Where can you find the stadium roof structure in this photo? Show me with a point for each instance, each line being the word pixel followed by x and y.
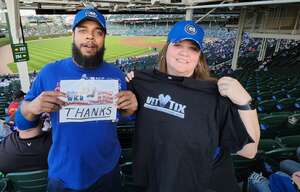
pixel 142 6
pixel 277 19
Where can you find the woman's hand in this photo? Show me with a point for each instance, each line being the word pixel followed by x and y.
pixel 231 88
pixel 129 76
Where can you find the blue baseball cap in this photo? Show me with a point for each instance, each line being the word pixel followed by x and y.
pixel 89 14
pixel 186 30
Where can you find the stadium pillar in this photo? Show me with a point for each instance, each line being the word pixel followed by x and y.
pixel 15 32
pixel 277 46
pixel 262 51
pixel 189 14
pixel 238 39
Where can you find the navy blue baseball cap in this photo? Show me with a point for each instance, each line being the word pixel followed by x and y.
pixel 89 14
pixel 186 30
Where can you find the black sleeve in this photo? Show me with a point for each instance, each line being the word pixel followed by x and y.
pixel 130 86
pixel 233 133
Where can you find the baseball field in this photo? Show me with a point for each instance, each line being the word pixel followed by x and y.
pixel 44 51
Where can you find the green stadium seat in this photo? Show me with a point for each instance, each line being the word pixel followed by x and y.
pixel 294 93
pixel 267 106
pixel 292 141
pixel 264 90
pixel 279 94
pixel 273 124
pixel 282 154
pixel 126 170
pixel 125 133
pixel 3 185
pixel 268 145
pixel 31 181
pixel 288 113
pixel 297 104
pixel 126 155
pixel 266 95
pixel 286 104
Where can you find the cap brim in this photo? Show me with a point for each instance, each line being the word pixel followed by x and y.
pixel 92 19
pixel 199 45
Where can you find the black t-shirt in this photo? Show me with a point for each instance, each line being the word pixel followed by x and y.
pixel 18 154
pixel 223 177
pixel 180 123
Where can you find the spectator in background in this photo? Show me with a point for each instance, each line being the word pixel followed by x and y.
pixel 285 180
pixel 4 129
pixel 25 150
pixel 18 96
pixel 277 182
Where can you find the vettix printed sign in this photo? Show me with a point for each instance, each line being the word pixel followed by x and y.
pixel 88 100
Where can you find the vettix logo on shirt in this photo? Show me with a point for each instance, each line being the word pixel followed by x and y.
pixel 165 104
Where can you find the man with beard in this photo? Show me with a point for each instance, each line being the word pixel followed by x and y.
pixel 84 155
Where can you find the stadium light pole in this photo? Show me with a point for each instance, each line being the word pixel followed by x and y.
pixel 15 32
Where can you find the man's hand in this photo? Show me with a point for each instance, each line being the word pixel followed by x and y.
pixel 127 102
pixel 47 101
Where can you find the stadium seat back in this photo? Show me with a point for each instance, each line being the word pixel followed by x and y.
pixel 31 181
pixel 267 106
pixel 126 155
pixel 287 104
pixel 294 93
pixel 290 141
pixel 3 185
pixel 268 145
pixel 282 154
pixel 273 124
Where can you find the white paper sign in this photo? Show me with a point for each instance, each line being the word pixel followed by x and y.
pixel 88 100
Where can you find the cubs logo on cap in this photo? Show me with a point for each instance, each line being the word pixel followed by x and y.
pixel 186 30
pixel 190 29
pixel 89 14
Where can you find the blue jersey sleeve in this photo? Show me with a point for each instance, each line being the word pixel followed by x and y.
pixel 123 83
pixel 36 89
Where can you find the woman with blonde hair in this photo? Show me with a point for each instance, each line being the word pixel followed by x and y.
pixel 188 123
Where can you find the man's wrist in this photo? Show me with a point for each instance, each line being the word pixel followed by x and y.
pixel 23 123
pixel 27 112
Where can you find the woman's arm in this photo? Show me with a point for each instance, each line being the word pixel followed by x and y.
pixel 231 88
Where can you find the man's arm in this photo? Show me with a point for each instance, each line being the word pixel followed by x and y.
pixel 47 101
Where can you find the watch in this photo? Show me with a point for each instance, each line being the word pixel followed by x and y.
pixel 249 106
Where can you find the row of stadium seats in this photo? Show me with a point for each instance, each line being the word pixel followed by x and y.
pixel 279 124
pixel 31 181
pixel 271 153
pixel 285 104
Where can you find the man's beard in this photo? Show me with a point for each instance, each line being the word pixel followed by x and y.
pixel 92 61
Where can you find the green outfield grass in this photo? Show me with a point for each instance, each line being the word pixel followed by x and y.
pixel 44 51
